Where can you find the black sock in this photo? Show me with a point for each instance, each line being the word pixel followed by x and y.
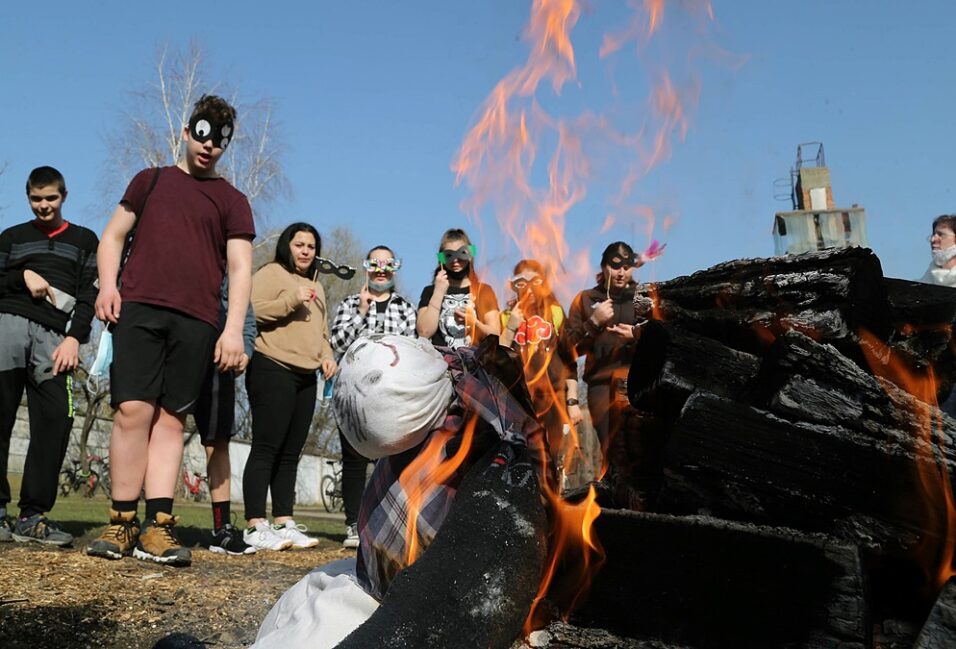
pixel 156 505
pixel 125 505
pixel 220 515
pixel 28 512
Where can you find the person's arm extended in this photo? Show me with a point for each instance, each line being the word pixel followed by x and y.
pixel 229 347
pixel 428 315
pixel 108 258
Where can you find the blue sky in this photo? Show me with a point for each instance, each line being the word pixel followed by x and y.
pixel 374 99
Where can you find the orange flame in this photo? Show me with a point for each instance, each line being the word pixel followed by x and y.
pixel 513 134
pixel 940 515
pixel 426 473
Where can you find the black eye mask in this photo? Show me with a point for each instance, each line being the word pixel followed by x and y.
pixel 328 267
pixel 203 128
pixel 463 254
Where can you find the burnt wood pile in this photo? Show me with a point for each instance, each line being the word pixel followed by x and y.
pixel 782 473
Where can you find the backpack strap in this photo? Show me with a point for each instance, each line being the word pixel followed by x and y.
pixel 128 244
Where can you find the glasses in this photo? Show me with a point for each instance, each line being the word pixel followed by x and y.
pixel 940 234
pixel 521 283
pixel 385 265
pixel 328 267
pixel 463 254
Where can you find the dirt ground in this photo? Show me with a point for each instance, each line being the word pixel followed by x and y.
pixel 53 597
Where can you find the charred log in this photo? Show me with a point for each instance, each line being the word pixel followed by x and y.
pixel 701 582
pixel 746 303
pixel 939 631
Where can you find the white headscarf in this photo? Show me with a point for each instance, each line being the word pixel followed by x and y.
pixel 390 391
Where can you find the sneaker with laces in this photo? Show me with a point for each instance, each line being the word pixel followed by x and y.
pixel 6 529
pixel 42 530
pixel 264 537
pixel 228 540
pixel 294 533
pixel 158 542
pixel 118 539
pixel 351 537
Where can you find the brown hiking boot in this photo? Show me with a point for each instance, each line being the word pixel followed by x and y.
pixel 119 537
pixel 158 543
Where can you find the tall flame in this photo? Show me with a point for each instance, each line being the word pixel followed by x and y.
pixel 940 514
pixel 531 167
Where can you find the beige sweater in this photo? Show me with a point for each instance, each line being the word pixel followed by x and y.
pixel 290 332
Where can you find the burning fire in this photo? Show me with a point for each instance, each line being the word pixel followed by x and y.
pixel 515 142
pixel 940 515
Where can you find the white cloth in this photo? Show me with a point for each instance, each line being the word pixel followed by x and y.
pixel 390 391
pixel 317 612
pixel 941 276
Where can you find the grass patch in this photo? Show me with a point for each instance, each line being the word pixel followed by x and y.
pixel 86 517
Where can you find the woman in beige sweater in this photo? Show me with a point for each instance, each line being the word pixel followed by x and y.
pixel 291 346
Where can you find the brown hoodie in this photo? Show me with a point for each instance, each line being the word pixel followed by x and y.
pixel 291 333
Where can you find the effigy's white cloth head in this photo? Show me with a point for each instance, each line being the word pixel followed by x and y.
pixel 390 391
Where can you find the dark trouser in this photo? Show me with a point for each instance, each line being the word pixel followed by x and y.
pixel 50 408
pixel 599 406
pixel 282 404
pixel 354 468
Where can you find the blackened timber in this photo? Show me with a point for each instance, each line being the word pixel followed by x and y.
pixel 939 630
pixel 474 585
pixel 670 362
pixel 701 582
pixel 746 303
pixel 862 484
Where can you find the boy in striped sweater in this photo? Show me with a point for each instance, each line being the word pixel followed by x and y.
pixel 47 291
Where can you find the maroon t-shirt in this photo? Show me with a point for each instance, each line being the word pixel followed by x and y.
pixel 178 255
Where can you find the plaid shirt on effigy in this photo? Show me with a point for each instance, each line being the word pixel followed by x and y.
pixel 348 324
pixel 384 516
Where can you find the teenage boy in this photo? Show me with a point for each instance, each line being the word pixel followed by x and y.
pixel 215 417
pixel 47 274
pixel 190 225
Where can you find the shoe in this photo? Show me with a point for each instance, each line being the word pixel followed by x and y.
pixel 294 533
pixel 264 537
pixel 351 537
pixel 6 529
pixel 118 539
pixel 158 543
pixel 228 540
pixel 42 530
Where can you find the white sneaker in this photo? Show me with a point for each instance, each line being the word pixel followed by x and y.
pixel 351 537
pixel 294 535
pixel 264 537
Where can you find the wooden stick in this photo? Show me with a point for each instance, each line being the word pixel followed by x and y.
pixel 609 286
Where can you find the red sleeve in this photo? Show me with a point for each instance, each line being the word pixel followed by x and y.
pixel 239 221
pixel 136 191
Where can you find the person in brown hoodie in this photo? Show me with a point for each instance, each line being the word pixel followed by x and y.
pixel 291 346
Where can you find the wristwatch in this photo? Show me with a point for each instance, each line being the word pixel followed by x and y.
pixel 572 402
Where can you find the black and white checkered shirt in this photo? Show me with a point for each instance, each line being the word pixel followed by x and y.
pixel 400 318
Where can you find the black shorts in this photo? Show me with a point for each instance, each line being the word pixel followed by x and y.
pixel 215 412
pixel 159 355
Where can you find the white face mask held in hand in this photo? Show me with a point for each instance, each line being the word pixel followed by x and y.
pixel 101 364
pixel 390 391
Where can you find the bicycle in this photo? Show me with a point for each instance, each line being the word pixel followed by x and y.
pixel 331 488
pixel 195 485
pixel 75 478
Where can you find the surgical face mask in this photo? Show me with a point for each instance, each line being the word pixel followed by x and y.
pixel 940 257
pixel 382 285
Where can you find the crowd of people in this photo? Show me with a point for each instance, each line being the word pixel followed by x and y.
pixel 186 317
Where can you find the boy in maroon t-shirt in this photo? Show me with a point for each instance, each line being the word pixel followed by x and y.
pixel 190 224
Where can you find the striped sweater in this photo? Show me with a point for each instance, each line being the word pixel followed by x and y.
pixel 67 261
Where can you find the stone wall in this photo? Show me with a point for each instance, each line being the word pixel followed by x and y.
pixel 311 467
